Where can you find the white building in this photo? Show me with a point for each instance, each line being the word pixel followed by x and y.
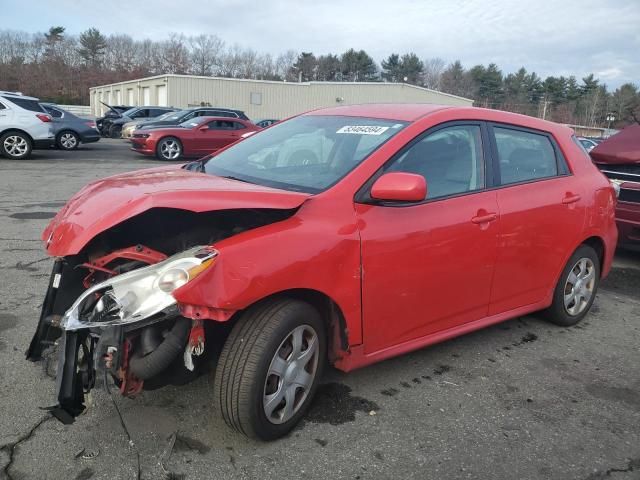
pixel 259 99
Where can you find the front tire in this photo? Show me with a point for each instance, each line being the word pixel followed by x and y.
pixel 169 148
pixel 115 131
pixel 68 140
pixel 576 288
pixel 15 145
pixel 269 368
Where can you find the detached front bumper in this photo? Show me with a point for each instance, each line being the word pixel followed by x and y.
pixel 113 324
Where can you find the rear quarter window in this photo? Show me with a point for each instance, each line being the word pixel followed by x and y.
pixel 27 104
pixel 525 156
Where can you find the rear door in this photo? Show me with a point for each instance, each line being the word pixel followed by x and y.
pixel 542 213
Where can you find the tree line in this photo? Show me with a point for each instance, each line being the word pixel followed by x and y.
pixel 60 67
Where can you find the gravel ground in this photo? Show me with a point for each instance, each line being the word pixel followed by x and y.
pixel 520 400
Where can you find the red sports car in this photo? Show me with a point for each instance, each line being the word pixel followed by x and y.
pixel 346 235
pixel 194 138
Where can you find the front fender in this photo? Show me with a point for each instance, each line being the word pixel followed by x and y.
pixel 311 250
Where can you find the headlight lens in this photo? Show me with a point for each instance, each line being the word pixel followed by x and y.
pixel 138 294
pixel 173 279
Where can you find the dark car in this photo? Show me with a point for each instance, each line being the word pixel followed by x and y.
pixel 69 129
pixel 114 111
pixel 267 122
pixel 182 116
pixel 113 127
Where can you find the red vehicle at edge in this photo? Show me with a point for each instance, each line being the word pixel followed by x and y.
pixel 197 137
pixel 346 235
pixel 619 159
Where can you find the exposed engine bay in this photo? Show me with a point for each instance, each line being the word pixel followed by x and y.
pixel 110 309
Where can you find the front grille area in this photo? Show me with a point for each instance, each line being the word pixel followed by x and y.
pixel 628 195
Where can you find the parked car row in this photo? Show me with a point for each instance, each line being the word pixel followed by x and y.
pixel 177 134
pixel 27 124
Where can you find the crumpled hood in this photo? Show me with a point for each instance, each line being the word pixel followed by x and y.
pixel 108 202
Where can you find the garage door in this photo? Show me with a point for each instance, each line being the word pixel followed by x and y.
pixel 146 96
pixel 130 97
pixel 162 95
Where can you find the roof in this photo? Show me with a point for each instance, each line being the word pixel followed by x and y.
pixel 299 84
pixel 406 112
pixel 623 147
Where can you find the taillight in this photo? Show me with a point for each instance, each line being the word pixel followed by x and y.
pixel 91 124
pixel 43 117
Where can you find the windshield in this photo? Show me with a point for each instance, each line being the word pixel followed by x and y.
pixel 165 116
pixel 131 111
pixel 175 115
pixel 194 122
pixel 308 153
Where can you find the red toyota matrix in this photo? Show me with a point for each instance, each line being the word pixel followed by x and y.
pixel 345 236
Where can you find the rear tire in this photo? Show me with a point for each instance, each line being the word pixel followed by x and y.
pixel 68 140
pixel 16 145
pixel 576 289
pixel 269 368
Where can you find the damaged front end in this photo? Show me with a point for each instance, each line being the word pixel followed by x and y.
pixel 116 315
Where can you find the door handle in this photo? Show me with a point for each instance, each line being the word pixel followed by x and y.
pixel 486 218
pixel 571 199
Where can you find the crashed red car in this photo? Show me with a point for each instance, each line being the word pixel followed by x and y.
pixel 345 236
pixel 196 137
pixel 619 159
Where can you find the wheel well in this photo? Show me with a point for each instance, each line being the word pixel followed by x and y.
pixel 331 313
pixel 9 130
pixel 67 130
pixel 598 245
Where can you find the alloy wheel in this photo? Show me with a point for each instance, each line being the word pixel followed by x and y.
pixel 15 145
pixel 68 141
pixel 291 374
pixel 579 286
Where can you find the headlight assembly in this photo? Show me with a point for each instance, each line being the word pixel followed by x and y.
pixel 138 294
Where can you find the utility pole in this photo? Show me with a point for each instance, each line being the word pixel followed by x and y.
pixel 544 107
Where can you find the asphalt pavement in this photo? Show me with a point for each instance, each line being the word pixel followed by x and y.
pixel 520 400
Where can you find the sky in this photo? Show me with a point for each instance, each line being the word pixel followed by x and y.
pixel 550 37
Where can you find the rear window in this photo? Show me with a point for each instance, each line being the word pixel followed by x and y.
pixel 25 103
pixel 524 156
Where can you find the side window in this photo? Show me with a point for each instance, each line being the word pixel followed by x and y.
pixel 238 126
pixel 2 107
pixel 220 125
pixel 450 160
pixel 53 112
pixel 524 156
pixel 27 104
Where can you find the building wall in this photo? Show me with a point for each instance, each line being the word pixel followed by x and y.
pixel 263 99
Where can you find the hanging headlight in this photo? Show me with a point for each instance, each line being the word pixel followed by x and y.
pixel 138 294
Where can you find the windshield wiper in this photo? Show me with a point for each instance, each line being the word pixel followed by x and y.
pixel 230 177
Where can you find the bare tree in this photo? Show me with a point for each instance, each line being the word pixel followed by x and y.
pixel 205 53
pixel 175 54
pixel 283 65
pixel 432 73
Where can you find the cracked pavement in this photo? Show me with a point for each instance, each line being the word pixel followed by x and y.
pixel 523 399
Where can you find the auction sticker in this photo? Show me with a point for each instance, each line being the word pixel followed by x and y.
pixel 363 129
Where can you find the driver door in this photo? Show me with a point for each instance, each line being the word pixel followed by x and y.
pixel 428 267
pixel 219 133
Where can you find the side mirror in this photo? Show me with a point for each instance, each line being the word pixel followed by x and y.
pixel 400 187
pixel 204 128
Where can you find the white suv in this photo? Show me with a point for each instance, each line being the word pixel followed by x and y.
pixel 24 125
